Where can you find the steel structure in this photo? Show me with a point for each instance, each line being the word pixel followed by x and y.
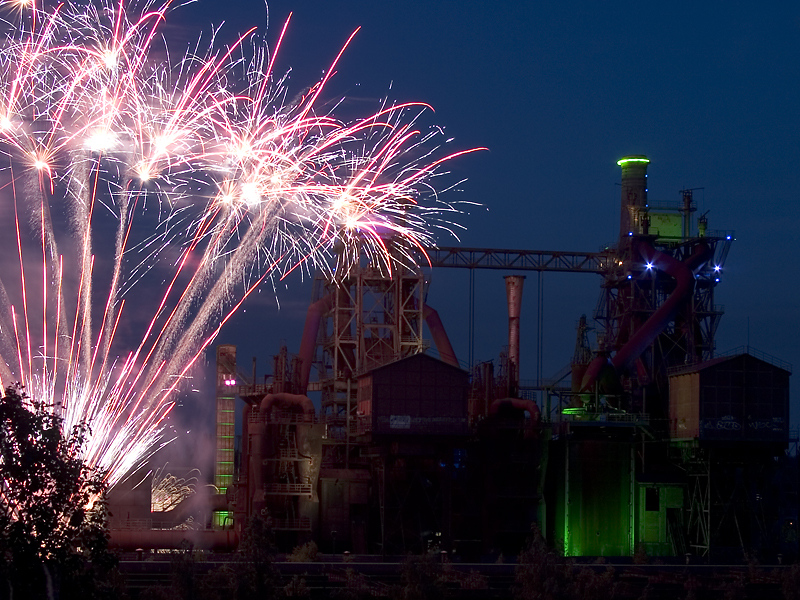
pixel 369 319
pixel 520 260
pixel 603 475
pixel 634 286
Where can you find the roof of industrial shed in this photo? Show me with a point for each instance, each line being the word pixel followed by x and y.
pixel 421 356
pixel 765 359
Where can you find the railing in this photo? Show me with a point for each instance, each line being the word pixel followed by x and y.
pixel 768 358
pixel 607 417
pixel 299 524
pixel 258 389
pixel 285 416
pixel 133 524
pixel 285 454
pixel 288 489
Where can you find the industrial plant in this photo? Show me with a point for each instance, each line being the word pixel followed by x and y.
pixel 650 442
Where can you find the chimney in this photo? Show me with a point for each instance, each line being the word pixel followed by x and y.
pixel 514 295
pixel 634 194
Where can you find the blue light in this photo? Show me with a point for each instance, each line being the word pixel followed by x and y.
pixel 649 266
pixel 717 280
pixel 717 268
pixel 727 238
pixel 630 233
pixel 629 276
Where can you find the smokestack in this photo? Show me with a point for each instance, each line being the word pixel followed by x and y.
pixel 634 194
pixel 514 295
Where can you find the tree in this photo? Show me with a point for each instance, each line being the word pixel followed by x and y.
pixel 257 575
pixel 541 573
pixel 52 509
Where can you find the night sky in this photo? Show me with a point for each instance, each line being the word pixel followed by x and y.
pixel 558 92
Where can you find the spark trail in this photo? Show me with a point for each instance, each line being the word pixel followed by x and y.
pixel 150 197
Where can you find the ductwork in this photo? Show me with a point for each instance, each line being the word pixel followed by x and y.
pixel 309 340
pixel 439 335
pixel 514 297
pixel 684 275
pixel 174 539
pixel 284 399
pixel 519 404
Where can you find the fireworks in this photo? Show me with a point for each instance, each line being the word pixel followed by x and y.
pixel 167 491
pixel 149 198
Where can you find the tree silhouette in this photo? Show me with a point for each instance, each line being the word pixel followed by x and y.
pixel 52 509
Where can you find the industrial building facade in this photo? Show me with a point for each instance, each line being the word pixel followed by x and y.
pixel 654 444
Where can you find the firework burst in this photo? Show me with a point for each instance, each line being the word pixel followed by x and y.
pixel 151 197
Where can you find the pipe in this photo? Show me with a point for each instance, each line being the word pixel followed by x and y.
pixel 309 340
pixel 683 273
pixel 255 465
pixel 519 404
pixel 514 297
pixel 149 539
pixel 243 491
pixel 304 402
pixel 439 335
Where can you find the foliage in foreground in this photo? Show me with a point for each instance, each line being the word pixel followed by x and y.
pixel 252 575
pixel 53 538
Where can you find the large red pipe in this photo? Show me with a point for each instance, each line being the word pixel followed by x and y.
pixel 304 402
pixel 439 335
pixel 309 340
pixel 519 404
pixel 149 539
pixel 684 274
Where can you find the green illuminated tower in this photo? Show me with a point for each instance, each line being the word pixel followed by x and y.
pixel 226 396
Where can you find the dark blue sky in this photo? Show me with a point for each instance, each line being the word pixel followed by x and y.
pixel 558 92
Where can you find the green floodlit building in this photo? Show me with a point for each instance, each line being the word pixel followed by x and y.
pixel 660 445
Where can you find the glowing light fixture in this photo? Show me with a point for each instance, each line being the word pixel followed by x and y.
pixel 632 159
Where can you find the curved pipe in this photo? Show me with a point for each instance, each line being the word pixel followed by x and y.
pixel 593 371
pixel 519 404
pixel 683 273
pixel 439 335
pixel 270 400
pixel 309 340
